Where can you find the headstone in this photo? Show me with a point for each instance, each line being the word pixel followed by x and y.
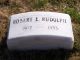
pixel 40 30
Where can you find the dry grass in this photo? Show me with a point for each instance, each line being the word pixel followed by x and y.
pixel 3 21
pixel 9 7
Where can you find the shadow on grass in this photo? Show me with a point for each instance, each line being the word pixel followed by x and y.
pixel 4 3
pixel 58 54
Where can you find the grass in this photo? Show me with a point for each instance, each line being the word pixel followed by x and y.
pixel 39 3
pixel 73 13
pixel 9 7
